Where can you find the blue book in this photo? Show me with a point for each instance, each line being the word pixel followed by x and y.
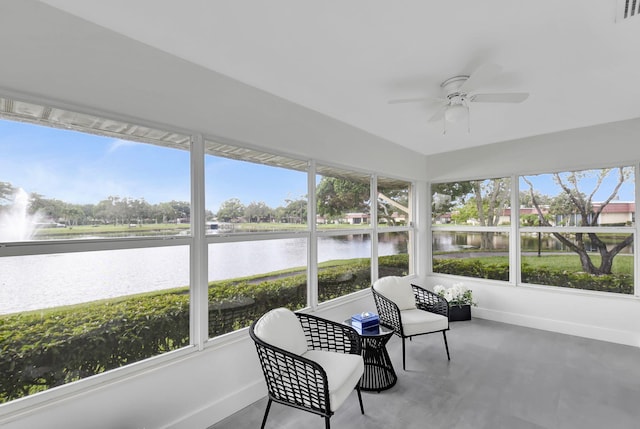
pixel 372 330
pixel 364 320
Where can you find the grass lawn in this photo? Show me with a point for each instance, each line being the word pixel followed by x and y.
pixel 622 264
pixel 80 231
pixel 106 230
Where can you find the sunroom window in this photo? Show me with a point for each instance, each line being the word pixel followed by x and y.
pixel 119 243
pixel 395 222
pixel 257 234
pixel 574 229
pixel 343 219
pixel 94 245
pixel 577 229
pixel 471 228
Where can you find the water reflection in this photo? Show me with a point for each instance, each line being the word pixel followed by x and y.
pixel 451 241
pixel 50 280
pixel 448 241
pixel 546 242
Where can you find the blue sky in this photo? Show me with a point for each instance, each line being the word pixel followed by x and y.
pixel 82 169
pixel 85 169
pixel 545 185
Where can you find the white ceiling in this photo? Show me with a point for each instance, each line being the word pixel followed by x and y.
pixel 347 58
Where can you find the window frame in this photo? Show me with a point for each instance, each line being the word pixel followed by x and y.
pixel 515 231
pixel 475 229
pixel 197 241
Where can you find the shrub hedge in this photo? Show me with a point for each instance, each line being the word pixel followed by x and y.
pixel 616 283
pixel 48 348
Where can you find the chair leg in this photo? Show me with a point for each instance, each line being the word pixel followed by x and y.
pixel 403 358
pixel 360 398
pixel 446 345
pixel 266 413
pixel 327 424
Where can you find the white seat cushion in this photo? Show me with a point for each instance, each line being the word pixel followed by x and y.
pixel 280 327
pixel 398 290
pixel 343 373
pixel 417 321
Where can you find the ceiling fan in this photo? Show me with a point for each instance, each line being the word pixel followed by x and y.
pixel 460 91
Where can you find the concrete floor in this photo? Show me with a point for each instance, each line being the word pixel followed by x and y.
pixel 500 377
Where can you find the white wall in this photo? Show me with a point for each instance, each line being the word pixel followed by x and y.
pixel 49 56
pixel 597 146
pixel 58 57
pixel 606 317
pixel 192 391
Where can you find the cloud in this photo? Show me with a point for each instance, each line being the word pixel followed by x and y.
pixel 118 143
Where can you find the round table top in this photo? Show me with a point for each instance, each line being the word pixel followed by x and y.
pixel 373 332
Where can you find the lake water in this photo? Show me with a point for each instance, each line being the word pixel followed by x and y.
pixel 44 281
pixel 448 241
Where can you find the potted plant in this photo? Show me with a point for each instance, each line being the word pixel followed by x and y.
pixel 460 300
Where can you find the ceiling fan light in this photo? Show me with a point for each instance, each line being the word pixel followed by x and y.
pixel 455 113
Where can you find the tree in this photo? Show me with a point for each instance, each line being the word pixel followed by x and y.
pixel 140 210
pixel 445 196
pixel 87 210
pixel 480 200
pixel 182 209
pixel 563 208
pixel 258 212
pixel 589 215
pixel 6 191
pixel 73 214
pixel 47 207
pixel 532 219
pixel 490 197
pixel 338 196
pixel 164 213
pixel 467 212
pixel 526 200
pixel 231 210
pixel 390 201
pixel 111 210
pixel 294 212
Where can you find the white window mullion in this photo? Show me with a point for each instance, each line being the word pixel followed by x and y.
pixel 199 257
pixel 421 234
pixel 514 239
pixel 636 240
pixel 373 183
pixel 312 243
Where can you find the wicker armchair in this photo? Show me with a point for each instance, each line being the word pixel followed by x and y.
pixel 308 362
pixel 410 310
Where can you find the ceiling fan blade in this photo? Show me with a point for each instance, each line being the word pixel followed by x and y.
pixel 439 115
pixel 507 97
pixel 483 74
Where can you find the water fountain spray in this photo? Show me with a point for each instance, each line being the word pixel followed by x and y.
pixel 16 224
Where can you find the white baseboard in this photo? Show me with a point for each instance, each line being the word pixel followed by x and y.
pixel 628 338
pixel 233 402
pixel 213 413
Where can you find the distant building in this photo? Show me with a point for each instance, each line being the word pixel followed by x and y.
pixel 614 213
pixel 357 218
pixel 442 219
pixel 617 213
